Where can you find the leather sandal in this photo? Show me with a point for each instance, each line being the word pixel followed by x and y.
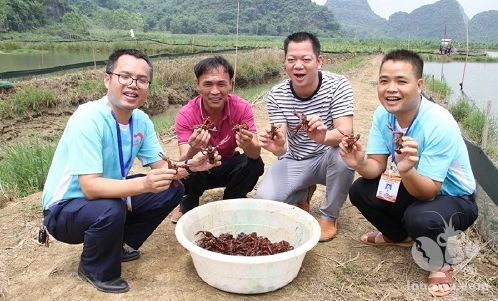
pixel 439 280
pixel 372 239
pixel 176 214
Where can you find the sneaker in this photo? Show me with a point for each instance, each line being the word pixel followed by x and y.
pixel 305 205
pixel 329 229
pixel 176 214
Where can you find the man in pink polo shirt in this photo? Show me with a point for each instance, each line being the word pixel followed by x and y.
pixel 227 124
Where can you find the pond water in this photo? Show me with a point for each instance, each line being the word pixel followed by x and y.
pixel 480 81
pixel 492 54
pixel 30 61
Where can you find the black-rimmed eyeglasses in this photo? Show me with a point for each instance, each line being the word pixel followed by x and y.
pixel 127 80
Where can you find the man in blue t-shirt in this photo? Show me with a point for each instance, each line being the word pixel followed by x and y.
pixel 416 181
pixel 88 196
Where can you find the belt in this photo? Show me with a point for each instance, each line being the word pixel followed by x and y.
pixel 469 198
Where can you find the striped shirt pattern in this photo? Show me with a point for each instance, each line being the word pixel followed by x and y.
pixel 333 99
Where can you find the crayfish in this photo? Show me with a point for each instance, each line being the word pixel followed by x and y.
pixel 206 124
pixel 274 130
pixel 242 245
pixel 209 150
pixel 174 166
pixel 397 138
pixel 242 126
pixel 303 122
pixel 351 139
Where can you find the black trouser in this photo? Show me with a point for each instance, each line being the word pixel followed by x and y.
pixel 239 175
pixel 103 226
pixel 429 223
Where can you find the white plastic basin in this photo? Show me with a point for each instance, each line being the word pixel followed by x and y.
pixel 249 274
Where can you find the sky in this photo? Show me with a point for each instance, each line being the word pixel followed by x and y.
pixel 385 8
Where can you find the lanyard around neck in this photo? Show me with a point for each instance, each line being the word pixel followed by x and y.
pixel 393 144
pixel 124 167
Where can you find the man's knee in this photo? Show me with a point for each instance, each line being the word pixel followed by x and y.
pixel 422 223
pixel 355 192
pixel 256 167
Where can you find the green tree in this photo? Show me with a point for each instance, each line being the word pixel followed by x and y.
pixel 76 24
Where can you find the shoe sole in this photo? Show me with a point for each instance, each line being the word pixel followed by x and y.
pixel 396 244
pixel 405 244
pixel 325 239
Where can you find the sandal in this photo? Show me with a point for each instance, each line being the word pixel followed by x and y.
pixel 440 279
pixel 376 238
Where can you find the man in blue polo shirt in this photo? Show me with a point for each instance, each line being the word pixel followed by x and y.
pixel 416 181
pixel 88 196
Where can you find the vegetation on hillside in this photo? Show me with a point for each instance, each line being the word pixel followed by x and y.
pixel 75 19
pixel 84 19
pixel 426 22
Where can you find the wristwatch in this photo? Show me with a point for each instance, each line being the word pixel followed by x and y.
pixel 188 169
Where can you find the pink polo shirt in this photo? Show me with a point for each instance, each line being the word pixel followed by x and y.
pixel 237 110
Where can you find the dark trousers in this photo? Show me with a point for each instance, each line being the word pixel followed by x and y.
pixel 239 175
pixel 429 223
pixel 103 226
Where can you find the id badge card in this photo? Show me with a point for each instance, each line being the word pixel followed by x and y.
pixel 128 203
pixel 388 187
pixel 127 200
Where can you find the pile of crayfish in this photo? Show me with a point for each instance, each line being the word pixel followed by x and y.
pixel 242 245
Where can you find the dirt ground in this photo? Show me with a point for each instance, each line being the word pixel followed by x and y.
pixel 342 269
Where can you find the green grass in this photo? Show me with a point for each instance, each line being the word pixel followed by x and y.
pixel 164 121
pixel 348 65
pixel 28 99
pixel 251 94
pixel 24 167
pixel 472 120
pixel 436 88
pixel 461 109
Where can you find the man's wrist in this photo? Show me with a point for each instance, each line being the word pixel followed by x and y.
pixel 187 168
